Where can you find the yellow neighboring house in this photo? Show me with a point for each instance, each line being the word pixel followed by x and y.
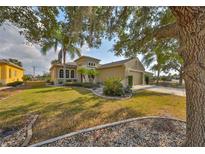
pixel 10 72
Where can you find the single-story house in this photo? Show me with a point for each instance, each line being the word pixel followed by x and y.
pixel 130 71
pixel 10 72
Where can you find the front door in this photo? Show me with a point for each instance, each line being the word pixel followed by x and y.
pixel 130 81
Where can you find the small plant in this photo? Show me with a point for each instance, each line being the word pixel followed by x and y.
pixel 113 87
pixel 128 90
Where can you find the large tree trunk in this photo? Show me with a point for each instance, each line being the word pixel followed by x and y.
pixel 191 30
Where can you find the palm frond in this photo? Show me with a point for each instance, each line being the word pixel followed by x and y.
pixel 46 47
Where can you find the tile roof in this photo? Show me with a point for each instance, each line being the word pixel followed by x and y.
pixel 86 57
pixel 10 63
pixel 116 63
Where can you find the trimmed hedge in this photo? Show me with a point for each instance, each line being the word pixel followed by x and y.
pixel 85 84
pixel 15 83
pixel 35 83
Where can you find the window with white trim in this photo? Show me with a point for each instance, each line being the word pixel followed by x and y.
pixel 67 73
pixel 72 74
pixel 61 74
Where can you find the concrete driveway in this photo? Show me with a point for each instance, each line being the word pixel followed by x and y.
pixel 167 90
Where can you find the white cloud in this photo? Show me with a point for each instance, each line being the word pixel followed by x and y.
pixel 84 49
pixel 12 45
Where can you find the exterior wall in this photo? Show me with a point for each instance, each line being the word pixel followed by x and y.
pixel 84 62
pixel 106 73
pixel 10 74
pixel 56 78
pixel 135 68
pixel 135 64
pixel 137 77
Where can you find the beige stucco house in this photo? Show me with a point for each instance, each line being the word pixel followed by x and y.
pixel 130 71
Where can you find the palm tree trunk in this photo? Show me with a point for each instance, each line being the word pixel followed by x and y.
pixel 81 78
pixel 180 77
pixel 158 73
pixel 64 66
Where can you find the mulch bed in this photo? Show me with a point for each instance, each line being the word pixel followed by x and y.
pixel 151 132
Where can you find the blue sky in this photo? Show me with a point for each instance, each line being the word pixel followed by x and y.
pixel 103 52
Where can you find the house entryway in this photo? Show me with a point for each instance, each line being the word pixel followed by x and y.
pixel 130 81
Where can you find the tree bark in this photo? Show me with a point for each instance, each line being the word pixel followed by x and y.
pixel 191 31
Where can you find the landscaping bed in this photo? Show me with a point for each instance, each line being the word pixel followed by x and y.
pixel 146 132
pixel 15 137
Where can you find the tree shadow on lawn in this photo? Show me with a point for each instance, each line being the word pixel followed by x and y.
pixel 122 114
pixel 63 89
pixel 143 93
pixel 15 116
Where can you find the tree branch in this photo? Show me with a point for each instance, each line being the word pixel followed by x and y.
pixel 166 31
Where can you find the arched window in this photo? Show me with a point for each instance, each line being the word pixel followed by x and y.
pixel 61 74
pixel 67 73
pixel 72 74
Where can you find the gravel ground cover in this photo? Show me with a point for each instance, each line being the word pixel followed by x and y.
pixel 151 132
pixel 17 137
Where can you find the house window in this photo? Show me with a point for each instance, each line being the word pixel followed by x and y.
pixel 67 73
pixel 72 74
pixel 9 73
pixel 61 74
pixel 91 64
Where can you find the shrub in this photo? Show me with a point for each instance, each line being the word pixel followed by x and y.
pixel 77 84
pixel 113 87
pixel 15 84
pixel 90 85
pixel 26 78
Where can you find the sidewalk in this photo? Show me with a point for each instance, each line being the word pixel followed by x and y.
pixel 167 90
pixel 4 88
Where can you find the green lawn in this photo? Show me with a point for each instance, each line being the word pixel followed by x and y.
pixel 63 110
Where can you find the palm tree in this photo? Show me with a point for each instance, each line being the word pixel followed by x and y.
pixel 61 39
pixel 158 56
pixel 82 71
pixel 91 74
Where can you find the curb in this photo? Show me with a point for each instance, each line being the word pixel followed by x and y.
pixel 29 132
pixel 109 97
pixel 101 127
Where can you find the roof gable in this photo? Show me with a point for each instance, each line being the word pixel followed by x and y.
pixel 86 57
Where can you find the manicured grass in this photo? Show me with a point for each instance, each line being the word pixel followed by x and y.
pixel 63 110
